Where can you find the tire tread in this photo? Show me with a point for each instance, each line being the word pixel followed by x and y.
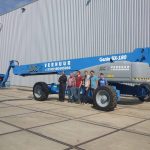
pixel 113 96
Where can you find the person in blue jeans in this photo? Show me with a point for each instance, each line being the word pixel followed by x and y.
pixel 71 82
pixel 93 82
pixel 78 87
pixel 102 81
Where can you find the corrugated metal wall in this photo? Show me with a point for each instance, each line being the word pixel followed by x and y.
pixel 61 29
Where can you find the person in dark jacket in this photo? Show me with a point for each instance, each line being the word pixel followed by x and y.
pixel 62 86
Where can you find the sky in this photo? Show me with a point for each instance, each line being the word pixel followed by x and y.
pixel 9 5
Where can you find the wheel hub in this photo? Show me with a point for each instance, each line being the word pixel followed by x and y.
pixel 38 91
pixel 102 99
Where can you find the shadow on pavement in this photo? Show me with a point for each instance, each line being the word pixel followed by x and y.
pixel 129 101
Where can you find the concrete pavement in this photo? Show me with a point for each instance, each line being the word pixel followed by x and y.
pixel 26 124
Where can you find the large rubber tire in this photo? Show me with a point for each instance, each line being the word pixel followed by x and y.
pixel 147 97
pixel 105 98
pixel 40 91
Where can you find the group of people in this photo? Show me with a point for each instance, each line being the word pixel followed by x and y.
pixel 74 84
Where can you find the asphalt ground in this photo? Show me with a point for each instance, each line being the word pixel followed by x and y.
pixel 26 124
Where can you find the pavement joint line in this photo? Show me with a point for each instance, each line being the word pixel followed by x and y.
pixel 33 111
pixel 35 133
pixel 94 138
pixel 10 132
pixel 48 124
pixel 46 109
pixel 54 114
pixel 29 130
pixel 95 108
pixel 77 148
pixel 43 111
pixel 19 99
pixel 61 115
pixel 117 130
pixel 22 106
pixel 22 114
pixel 24 90
pixel 138 108
pixel 49 138
pixel 51 113
pixel 128 115
pixel 34 126
pixel 73 118
pixel 39 102
pixel 46 102
pixel 117 113
pixel 18 96
pixel 123 129
pixel 16 90
pixel 111 127
pixel 69 119
pixel 97 124
pixel 10 124
pixel 75 106
pixel 17 114
pixel 85 142
pixel 33 104
pixel 6 106
pixel 98 112
pixel 136 132
pixel 8 96
pixel 86 116
pixel 36 103
pixel 86 121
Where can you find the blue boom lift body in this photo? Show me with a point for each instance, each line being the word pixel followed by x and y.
pixel 105 98
pixel 4 77
pixel 71 65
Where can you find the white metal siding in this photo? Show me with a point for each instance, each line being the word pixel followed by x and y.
pixel 61 29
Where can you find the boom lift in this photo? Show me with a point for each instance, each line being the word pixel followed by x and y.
pixel 127 73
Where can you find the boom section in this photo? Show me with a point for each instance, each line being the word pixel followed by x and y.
pixel 71 65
